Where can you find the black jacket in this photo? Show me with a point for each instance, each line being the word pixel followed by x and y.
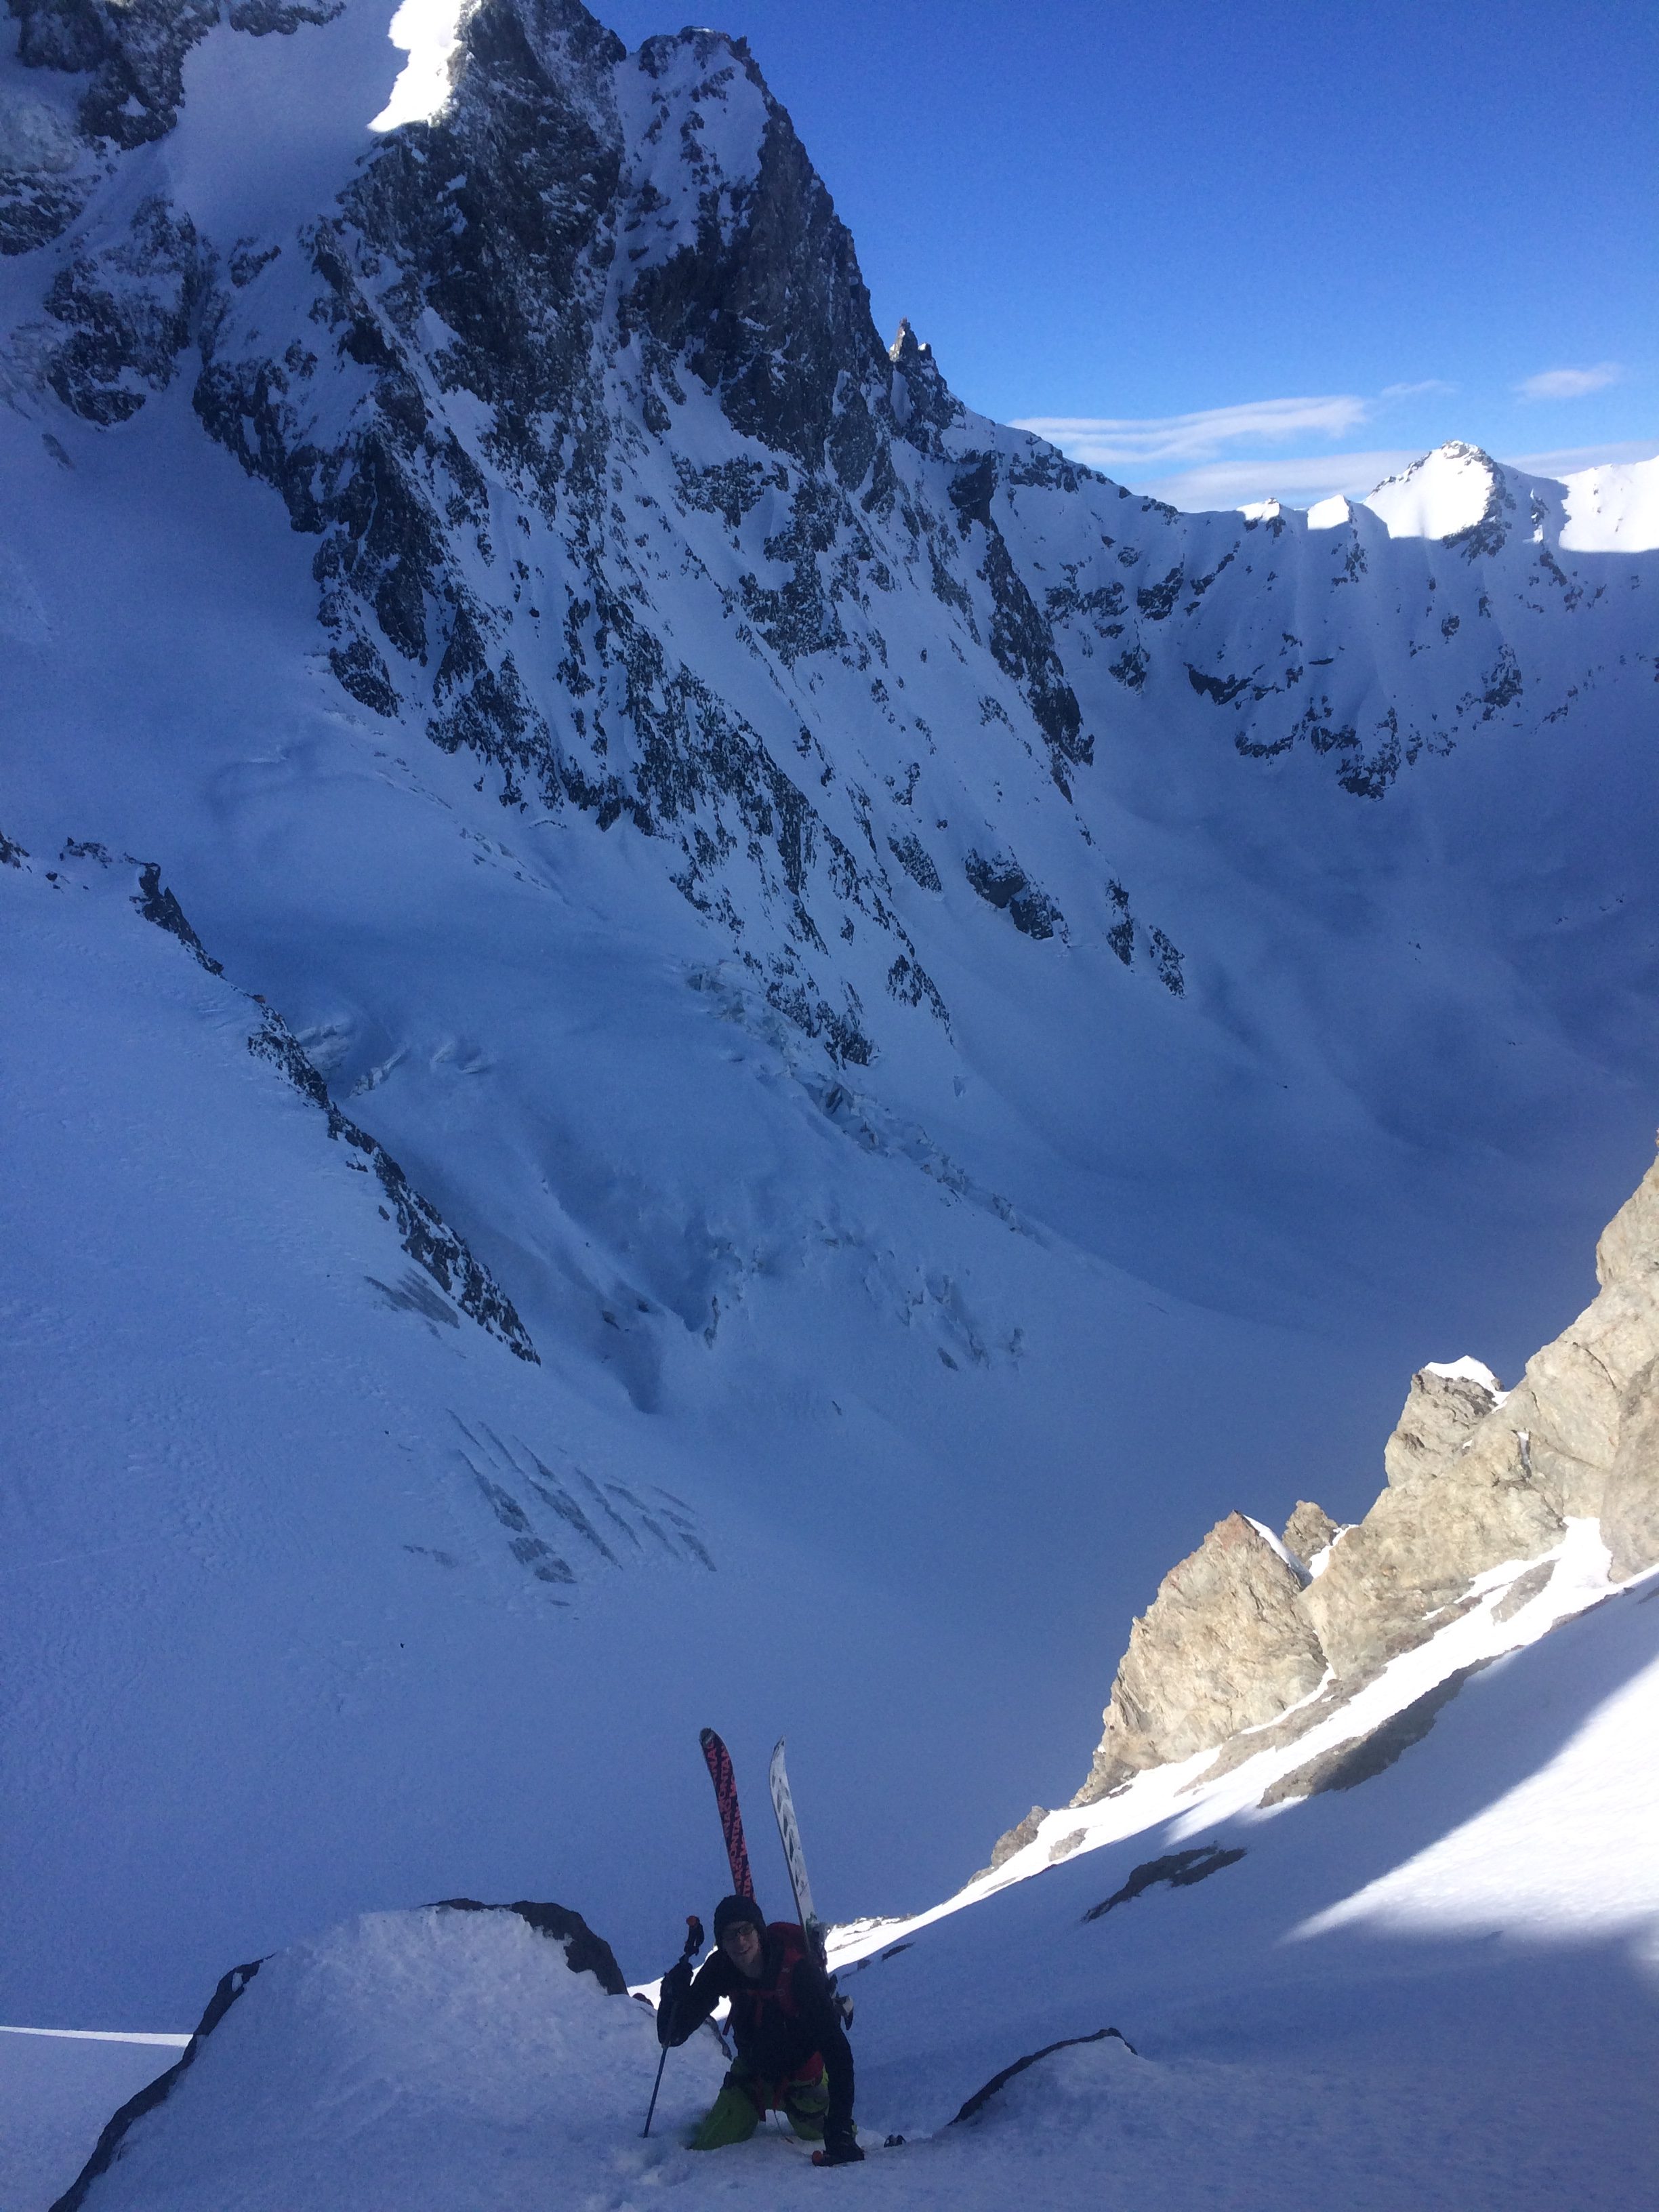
pixel 771 2043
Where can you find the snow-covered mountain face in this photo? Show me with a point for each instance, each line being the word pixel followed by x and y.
pixel 959 1009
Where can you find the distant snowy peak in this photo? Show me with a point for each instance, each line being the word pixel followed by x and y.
pixel 1452 494
pixel 1612 509
pixel 1460 496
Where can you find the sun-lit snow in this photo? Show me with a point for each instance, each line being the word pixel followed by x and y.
pixel 428 31
pixel 1468 1369
pixel 1276 1544
pixel 1448 490
pixel 1614 509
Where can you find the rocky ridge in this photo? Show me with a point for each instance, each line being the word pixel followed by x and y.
pixel 1253 1641
pixel 616 490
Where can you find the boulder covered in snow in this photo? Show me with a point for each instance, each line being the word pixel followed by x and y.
pixel 457 2055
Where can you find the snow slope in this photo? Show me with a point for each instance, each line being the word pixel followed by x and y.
pixel 1436 1989
pixel 971 1018
pixel 55 2092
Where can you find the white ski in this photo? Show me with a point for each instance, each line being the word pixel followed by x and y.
pixel 795 1857
pixel 789 1833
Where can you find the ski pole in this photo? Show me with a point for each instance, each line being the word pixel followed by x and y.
pixel 694 1942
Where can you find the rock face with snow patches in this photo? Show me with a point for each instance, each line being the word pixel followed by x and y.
pixel 1477 1476
pixel 591 350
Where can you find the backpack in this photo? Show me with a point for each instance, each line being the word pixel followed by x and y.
pixel 792 1939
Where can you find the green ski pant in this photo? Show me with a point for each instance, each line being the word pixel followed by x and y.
pixel 736 2112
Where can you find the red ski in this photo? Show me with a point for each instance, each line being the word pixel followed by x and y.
pixel 725 1796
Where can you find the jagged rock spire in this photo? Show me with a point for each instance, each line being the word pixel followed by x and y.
pixel 922 401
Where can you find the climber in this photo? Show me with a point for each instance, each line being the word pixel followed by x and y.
pixel 793 2052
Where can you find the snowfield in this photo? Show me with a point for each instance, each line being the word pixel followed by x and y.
pixel 1436 1989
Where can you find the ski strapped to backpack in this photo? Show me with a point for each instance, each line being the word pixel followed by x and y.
pixel 794 1857
pixel 783 1805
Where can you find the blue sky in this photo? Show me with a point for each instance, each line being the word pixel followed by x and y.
pixel 1419 222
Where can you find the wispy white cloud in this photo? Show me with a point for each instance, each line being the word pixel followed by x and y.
pixel 1302 480
pixel 1418 391
pixel 1568 460
pixel 1298 480
pixel 1570 383
pixel 1108 441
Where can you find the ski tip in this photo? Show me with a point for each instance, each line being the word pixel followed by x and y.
pixel 706 1736
pixel 777 1751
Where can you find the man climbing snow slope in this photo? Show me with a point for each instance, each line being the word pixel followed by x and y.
pixel 793 2052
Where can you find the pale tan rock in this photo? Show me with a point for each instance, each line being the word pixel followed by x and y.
pixel 1308 1530
pixel 1576 1437
pixel 1014 1839
pixel 1417 1548
pixel 1222 1647
pixel 1584 1395
pixel 1476 1480
pixel 1440 1408
pixel 1630 1500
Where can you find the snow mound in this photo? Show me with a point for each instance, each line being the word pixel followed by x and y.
pixel 402 2058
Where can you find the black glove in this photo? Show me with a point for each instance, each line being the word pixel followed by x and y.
pixel 675 1983
pixel 840 2145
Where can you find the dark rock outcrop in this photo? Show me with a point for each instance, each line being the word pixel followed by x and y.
pixel 586 1952
pixel 981 2098
pixel 421 1230
pixel 158 904
pixel 1015 1838
pixel 108 2149
pixel 1345 1765
pixel 1180 1869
